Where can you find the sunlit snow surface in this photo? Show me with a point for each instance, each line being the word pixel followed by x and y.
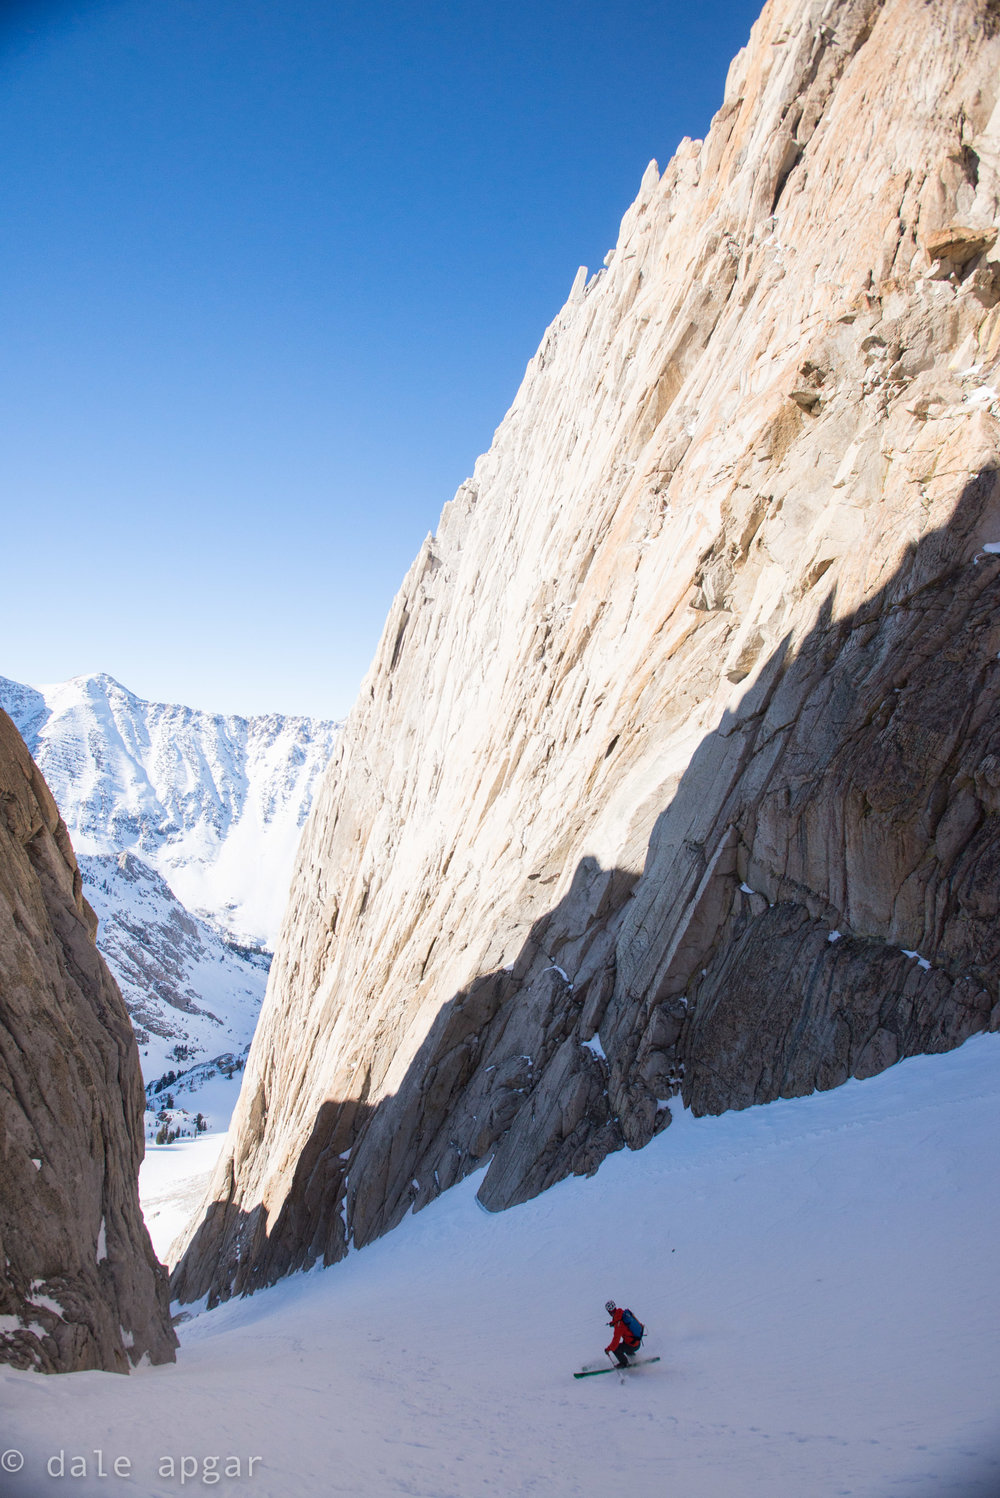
pixel 819 1277
pixel 173 1177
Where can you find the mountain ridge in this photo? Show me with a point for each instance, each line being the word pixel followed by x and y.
pixel 185 824
pixel 194 793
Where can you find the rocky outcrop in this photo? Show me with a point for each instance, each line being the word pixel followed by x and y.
pixel 81 1287
pixel 677 771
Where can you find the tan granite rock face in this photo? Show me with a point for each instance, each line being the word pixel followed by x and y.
pixel 80 1287
pixel 678 768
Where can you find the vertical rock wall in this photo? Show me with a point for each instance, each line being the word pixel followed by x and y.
pixel 80 1286
pixel 676 770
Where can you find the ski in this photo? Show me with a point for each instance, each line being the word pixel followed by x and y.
pixel 613 1368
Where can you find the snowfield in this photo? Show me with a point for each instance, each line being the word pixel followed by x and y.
pixel 174 1177
pixel 819 1276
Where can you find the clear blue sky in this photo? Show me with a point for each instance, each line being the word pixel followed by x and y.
pixel 270 272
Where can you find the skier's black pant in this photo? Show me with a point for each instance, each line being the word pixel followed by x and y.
pixel 623 1353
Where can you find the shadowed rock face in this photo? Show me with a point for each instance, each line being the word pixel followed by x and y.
pixel 676 771
pixel 81 1287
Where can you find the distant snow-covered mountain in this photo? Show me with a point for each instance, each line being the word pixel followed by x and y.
pixel 215 803
pixel 190 992
pixel 185 825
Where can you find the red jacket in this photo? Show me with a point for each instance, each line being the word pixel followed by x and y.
pixel 622 1333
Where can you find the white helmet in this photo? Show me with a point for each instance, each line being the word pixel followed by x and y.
pixel 610 1307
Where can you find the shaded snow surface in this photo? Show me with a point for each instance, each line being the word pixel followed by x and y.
pixel 818 1276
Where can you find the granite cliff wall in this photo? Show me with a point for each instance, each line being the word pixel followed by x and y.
pixel 677 770
pixel 81 1286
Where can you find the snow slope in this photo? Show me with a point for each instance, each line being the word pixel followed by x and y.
pixel 214 803
pixel 189 993
pixel 173 1177
pixel 195 1104
pixel 818 1275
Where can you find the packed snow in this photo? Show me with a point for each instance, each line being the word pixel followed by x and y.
pixel 817 1275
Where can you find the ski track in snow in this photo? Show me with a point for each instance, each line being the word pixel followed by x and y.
pixel 817 1274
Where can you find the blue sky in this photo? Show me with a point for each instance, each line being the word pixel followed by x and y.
pixel 270 272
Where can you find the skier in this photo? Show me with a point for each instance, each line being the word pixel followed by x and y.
pixel 628 1334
